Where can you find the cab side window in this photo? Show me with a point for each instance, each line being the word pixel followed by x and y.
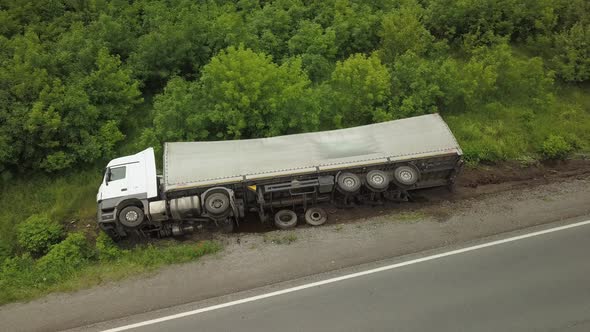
pixel 117 173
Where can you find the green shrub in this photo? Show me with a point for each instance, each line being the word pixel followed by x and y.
pixel 12 268
pixel 65 258
pixel 38 233
pixel 17 277
pixel 5 250
pixel 556 147
pixel 70 265
pixel 106 248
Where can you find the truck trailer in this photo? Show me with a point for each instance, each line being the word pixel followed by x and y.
pixel 280 179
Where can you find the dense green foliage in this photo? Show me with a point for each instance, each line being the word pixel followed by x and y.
pixel 556 147
pixel 72 73
pixel 38 233
pixel 239 94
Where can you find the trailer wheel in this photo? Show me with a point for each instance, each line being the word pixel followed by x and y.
pixel 131 216
pixel 377 180
pixel 406 175
pixel 349 183
pixel 217 203
pixel 316 216
pixel 285 219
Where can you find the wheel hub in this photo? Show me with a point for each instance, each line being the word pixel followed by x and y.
pixel 315 216
pixel 349 182
pixel 131 216
pixel 405 175
pixel 378 179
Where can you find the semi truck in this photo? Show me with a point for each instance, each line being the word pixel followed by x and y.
pixel 282 180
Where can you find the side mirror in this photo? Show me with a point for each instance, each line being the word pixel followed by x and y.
pixel 108 177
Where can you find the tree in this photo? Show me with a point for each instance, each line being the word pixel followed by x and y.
pixel 241 94
pixel 250 96
pixel 358 92
pixel 317 49
pixel 23 75
pixel 423 86
pixel 79 121
pixel 355 24
pixel 573 59
pixel 175 43
pixel 483 21
pixel 401 31
pixel 495 74
pixel 59 113
pixel 177 115
pixel 273 25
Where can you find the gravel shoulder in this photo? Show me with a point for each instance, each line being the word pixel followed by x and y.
pixel 435 219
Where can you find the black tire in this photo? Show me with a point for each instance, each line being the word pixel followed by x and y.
pixel 406 175
pixel 111 231
pixel 316 216
pixel 217 203
pixel 131 216
pixel 377 180
pixel 285 219
pixel 348 183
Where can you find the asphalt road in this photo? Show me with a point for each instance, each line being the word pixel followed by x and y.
pixel 540 283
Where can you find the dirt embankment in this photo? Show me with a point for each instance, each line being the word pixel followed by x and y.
pixel 512 174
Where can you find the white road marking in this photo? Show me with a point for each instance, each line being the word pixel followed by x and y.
pixel 345 277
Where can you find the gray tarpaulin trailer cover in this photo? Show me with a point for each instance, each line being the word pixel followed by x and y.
pixel 205 164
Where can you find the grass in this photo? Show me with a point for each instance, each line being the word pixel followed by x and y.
pixel 497 132
pixel 22 281
pixel 280 238
pixel 65 198
pixel 410 216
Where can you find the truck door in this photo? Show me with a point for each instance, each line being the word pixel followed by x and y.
pixel 117 181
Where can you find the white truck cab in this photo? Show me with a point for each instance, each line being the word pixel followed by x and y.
pixel 129 180
pixel 130 176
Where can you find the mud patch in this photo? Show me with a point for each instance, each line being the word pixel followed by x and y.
pixel 517 172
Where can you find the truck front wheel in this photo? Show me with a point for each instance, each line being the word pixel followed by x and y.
pixel 217 203
pixel 131 216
